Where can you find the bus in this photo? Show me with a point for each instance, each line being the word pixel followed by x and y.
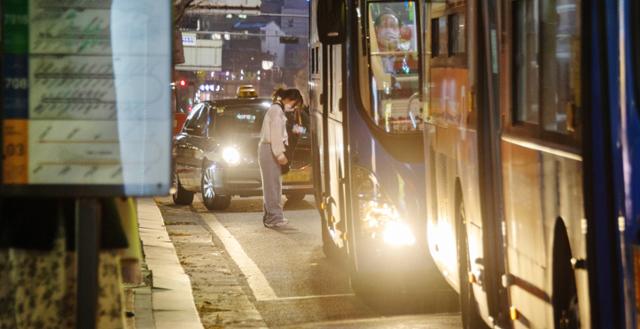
pixel 612 196
pixel 531 137
pixel 460 132
pixel 529 118
pixel 366 118
pixel 629 134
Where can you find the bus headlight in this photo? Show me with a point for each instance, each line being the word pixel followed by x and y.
pixel 398 234
pixel 382 220
pixel 231 155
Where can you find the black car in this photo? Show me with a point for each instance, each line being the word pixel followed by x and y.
pixel 215 153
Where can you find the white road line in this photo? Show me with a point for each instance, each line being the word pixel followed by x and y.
pixel 255 278
pixel 258 283
pixel 307 297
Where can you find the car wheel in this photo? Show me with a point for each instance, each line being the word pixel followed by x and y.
pixel 295 197
pixel 181 196
pixel 212 200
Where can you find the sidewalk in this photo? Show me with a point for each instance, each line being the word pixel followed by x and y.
pixel 168 303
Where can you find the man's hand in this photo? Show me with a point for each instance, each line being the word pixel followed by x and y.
pixel 282 159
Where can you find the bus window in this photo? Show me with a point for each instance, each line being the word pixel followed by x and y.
pixel 443 39
pixel 526 62
pixel 435 36
pixel 394 66
pixel 457 33
pixel 561 69
pixel 547 67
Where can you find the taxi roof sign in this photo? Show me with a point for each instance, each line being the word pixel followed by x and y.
pixel 246 91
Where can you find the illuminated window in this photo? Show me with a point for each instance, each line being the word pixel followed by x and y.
pixel 457 34
pixel 547 65
pixel 394 66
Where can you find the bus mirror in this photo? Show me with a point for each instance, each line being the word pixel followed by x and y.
pixel 331 21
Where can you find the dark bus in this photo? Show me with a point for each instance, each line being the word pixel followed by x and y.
pixel 366 96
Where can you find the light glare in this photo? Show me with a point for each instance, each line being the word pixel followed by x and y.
pixel 231 155
pixel 398 234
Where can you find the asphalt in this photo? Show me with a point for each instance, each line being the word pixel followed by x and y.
pixel 244 275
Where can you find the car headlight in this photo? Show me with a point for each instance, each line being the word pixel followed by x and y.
pixel 382 220
pixel 231 155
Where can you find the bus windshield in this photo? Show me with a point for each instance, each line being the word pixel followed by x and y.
pixel 394 62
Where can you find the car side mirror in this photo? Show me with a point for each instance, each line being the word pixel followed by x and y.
pixel 332 25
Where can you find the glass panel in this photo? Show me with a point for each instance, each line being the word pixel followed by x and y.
pixel 457 34
pixel 443 38
pixel 394 57
pixel 561 58
pixel 526 61
pixel 434 38
pixel 235 120
pixel 193 116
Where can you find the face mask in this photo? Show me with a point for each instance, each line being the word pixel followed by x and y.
pixel 388 36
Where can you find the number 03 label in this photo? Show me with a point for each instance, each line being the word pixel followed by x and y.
pixel 15 158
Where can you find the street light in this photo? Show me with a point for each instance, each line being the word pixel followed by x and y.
pixel 267 65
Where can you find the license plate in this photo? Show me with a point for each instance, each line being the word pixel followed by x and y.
pixel 297 176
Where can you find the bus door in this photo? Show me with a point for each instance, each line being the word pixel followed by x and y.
pixel 333 144
pixel 326 100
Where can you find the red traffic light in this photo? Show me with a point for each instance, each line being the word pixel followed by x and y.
pixel 183 83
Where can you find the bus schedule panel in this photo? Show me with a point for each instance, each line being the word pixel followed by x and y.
pixel 86 97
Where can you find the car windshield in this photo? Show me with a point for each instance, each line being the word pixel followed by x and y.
pixel 238 119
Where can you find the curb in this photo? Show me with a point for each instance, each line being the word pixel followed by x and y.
pixel 171 298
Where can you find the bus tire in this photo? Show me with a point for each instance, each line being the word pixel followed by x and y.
pixel 471 318
pixel 565 292
pixel 181 196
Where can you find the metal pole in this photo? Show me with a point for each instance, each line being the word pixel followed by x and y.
pixel 87 248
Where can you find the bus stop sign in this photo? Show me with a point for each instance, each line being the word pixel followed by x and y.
pixel 85 97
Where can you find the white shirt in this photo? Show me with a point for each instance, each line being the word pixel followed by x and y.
pixel 274 130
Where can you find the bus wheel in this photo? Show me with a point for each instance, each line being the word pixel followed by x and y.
pixel 565 292
pixel 471 318
pixel 180 195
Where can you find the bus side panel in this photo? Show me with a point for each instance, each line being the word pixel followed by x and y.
pixel 540 188
pixel 451 146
